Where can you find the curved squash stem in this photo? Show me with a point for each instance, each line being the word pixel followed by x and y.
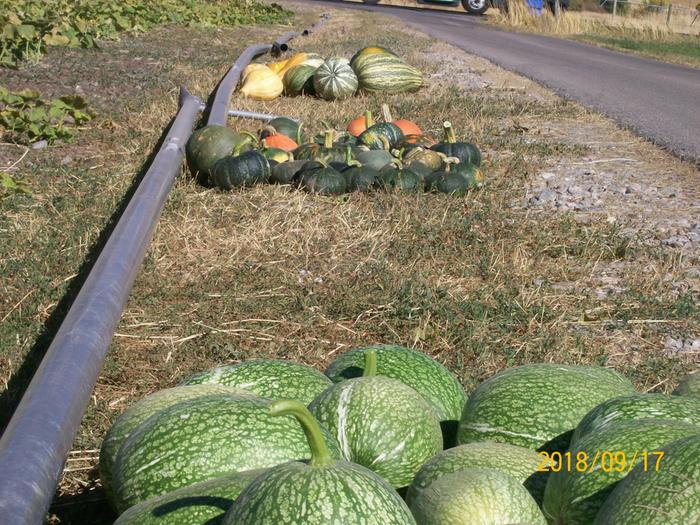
pixel 328 138
pixel 271 130
pixel 348 154
pixel 319 451
pixel 370 363
pixel 386 113
pixel 369 122
pixel 299 134
pixel 385 142
pixel 449 132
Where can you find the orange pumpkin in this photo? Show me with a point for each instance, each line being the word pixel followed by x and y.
pixel 280 141
pixel 408 127
pixel 358 125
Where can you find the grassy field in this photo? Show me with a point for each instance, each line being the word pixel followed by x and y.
pixel 480 282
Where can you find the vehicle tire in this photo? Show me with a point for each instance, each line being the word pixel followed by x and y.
pixel 371 2
pixel 475 7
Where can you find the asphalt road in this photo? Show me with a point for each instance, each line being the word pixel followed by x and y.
pixel 657 100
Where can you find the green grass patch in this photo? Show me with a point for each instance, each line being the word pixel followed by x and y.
pixel 678 48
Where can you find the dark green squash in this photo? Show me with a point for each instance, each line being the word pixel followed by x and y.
pixel 327 152
pixel 396 177
pixel 284 126
pixel 247 169
pixel 371 137
pixel 464 151
pixel 433 160
pixel 457 179
pixel 322 179
pixel 209 144
pixel 285 172
pixel 361 178
pixel 376 159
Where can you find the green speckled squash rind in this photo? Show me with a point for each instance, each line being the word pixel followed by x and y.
pixel 689 385
pixel 138 413
pixel 520 463
pixel 209 144
pixel 667 497
pixel 339 494
pixel 438 386
pixel 476 496
pixel 574 497
pixel 203 503
pixel 335 80
pixel 270 378
pixel 641 406
pixel 201 439
pixel 537 406
pixel 382 424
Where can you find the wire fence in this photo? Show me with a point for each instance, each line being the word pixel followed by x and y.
pixel 672 13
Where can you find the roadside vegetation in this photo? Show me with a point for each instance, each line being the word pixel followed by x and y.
pixel 479 282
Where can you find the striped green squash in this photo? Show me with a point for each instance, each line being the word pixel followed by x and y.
pixel 537 406
pixel 476 496
pixel 520 463
pixel 574 496
pixel 138 413
pixel 689 385
pixel 322 492
pixel 383 72
pixel 641 406
pixel 202 439
pixel 335 80
pixel 299 80
pixel 425 375
pixel 270 378
pixel 667 497
pixel 380 423
pixel 370 50
pixel 203 503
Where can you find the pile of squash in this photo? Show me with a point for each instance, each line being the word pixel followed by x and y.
pixel 371 69
pixel 393 155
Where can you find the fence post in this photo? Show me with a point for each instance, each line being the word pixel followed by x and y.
pixel 668 16
pixel 614 9
pixel 557 9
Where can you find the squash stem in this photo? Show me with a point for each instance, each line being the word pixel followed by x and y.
pixel 385 142
pixel 328 138
pixel 449 132
pixel 299 133
pixel 369 122
pixel 386 113
pixel 348 155
pixel 319 451
pixel 370 363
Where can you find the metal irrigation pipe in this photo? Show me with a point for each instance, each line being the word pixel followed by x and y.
pixel 37 440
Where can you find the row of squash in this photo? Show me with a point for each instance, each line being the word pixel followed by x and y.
pixel 393 155
pixel 371 70
pixel 387 435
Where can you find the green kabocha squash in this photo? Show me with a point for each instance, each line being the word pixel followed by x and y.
pixel 321 492
pixel 284 126
pixel 247 169
pixel 326 152
pixel 375 159
pixel 140 412
pixel 435 383
pixel 209 144
pixel 432 160
pixel 285 173
pixel 381 423
pixel 395 177
pixel 335 80
pixel 466 152
pixel 384 135
pixel 299 80
pixel 203 503
pixel 689 385
pixel 537 406
pixel 664 497
pixel 574 496
pixel 361 178
pixel 638 406
pixel 476 496
pixel 272 378
pixel 519 462
pixel 204 438
pixel 456 179
pixel 384 72
pixel 324 180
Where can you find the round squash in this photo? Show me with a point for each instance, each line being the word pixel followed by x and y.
pixel 372 136
pixel 284 126
pixel 361 178
pixel 299 80
pixel 395 177
pixel 360 124
pixel 324 180
pixel 466 152
pixel 209 144
pixel 335 80
pixel 285 173
pixel 247 169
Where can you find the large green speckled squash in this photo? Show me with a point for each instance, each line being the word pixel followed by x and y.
pixel 520 463
pixel 322 492
pixel 207 145
pixel 476 496
pixel 640 406
pixel 574 496
pixel 689 385
pixel 380 423
pixel 140 412
pixel 537 406
pixel 202 439
pixel 270 378
pixel 435 383
pixel 668 496
pixel 335 80
pixel 203 503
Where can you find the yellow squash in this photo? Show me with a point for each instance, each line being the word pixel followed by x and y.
pixel 262 84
